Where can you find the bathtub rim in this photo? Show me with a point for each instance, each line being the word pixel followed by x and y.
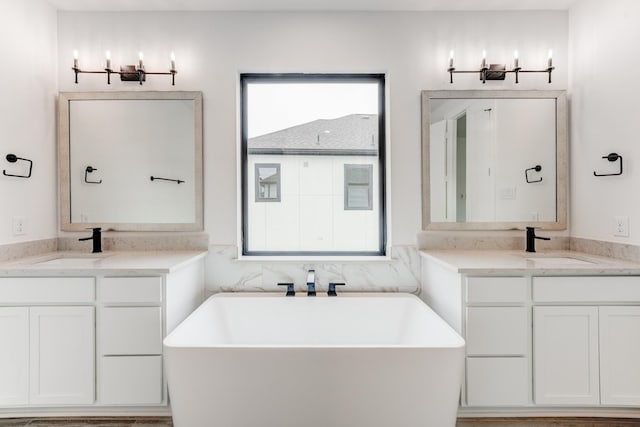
pixel 460 344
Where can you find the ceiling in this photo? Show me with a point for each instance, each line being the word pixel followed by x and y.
pixel 310 5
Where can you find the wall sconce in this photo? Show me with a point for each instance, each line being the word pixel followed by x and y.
pixel 499 71
pixel 127 73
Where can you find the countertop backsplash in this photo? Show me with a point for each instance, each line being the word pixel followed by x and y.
pixel 226 273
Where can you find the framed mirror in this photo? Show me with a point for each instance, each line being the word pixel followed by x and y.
pixel 494 159
pixel 130 161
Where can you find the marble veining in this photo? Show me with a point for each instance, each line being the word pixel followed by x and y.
pixel 119 241
pixel 496 240
pixel 226 273
pixel 609 249
pixel 14 251
pixel 81 263
pixel 520 262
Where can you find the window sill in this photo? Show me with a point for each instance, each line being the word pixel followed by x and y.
pixel 315 259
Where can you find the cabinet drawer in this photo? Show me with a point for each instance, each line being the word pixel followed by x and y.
pixel 496 289
pixel 497 381
pixel 47 290
pixel 131 330
pixel 131 290
pixel 592 289
pixel 131 380
pixel 497 331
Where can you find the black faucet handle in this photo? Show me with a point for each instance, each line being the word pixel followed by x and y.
pixel 290 291
pixel 311 289
pixel 332 289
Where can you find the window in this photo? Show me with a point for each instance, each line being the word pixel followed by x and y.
pixel 357 186
pixel 267 183
pixel 313 158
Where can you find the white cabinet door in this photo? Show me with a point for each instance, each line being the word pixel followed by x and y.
pixel 62 355
pixel 14 356
pixel 620 355
pixel 566 356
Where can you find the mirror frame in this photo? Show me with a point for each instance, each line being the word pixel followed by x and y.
pixel 64 160
pixel 562 164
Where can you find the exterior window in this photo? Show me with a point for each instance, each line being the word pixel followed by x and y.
pixel 313 159
pixel 267 183
pixel 357 187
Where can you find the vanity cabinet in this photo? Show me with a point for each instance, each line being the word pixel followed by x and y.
pixel 541 338
pixel 497 329
pixel 586 343
pixel 93 344
pixel 47 352
pixel 130 330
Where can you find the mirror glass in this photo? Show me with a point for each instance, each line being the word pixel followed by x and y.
pixel 131 160
pixel 494 159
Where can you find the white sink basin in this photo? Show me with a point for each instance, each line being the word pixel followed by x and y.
pixel 558 261
pixel 73 260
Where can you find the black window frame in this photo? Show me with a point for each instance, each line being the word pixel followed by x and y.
pixel 380 80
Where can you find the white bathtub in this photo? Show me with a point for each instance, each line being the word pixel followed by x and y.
pixel 356 360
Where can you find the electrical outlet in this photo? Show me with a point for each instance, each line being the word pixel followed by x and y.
pixel 621 226
pixel 18 225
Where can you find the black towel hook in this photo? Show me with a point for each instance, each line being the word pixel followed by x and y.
pixel 536 168
pixel 90 169
pixel 612 157
pixel 12 158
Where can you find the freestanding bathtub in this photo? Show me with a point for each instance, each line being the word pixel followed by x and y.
pixel 356 360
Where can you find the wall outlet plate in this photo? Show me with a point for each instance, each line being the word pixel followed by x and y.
pixel 621 226
pixel 18 226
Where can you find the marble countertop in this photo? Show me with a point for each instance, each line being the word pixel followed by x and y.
pixel 116 262
pixel 538 263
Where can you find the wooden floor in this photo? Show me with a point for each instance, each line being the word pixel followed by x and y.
pixel 462 422
pixel 88 422
pixel 547 422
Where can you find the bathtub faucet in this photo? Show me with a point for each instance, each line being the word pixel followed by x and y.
pixel 311 283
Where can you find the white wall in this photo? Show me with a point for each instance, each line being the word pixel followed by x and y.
pixel 603 40
pixel 213 48
pixel 27 115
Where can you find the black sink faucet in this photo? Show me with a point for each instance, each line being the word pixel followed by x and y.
pixel 96 236
pixel 531 239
